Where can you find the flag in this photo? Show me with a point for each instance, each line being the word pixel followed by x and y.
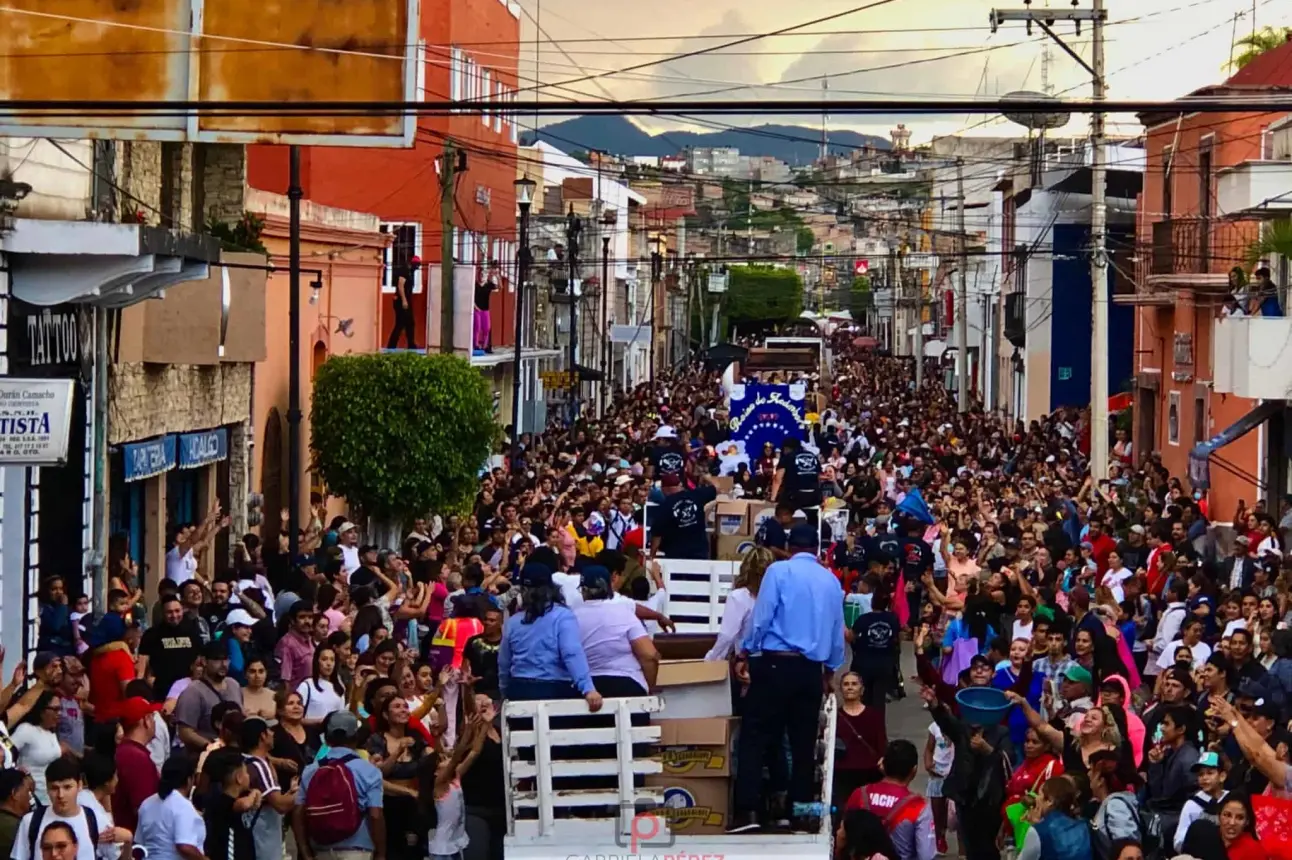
pixel 914 506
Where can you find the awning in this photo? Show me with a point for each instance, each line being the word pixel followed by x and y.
pixel 148 458
pixel 200 449
pixel 1200 456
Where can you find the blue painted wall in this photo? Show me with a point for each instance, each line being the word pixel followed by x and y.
pixel 1070 320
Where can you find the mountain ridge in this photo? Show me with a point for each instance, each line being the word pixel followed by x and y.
pixel 617 135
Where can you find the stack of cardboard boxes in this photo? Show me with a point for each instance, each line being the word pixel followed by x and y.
pixel 695 745
pixel 736 522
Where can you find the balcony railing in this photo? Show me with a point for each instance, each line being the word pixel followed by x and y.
pixel 1181 246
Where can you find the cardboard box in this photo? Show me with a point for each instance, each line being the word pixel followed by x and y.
pixel 696 749
pixel 684 646
pixel 694 689
pixel 759 511
pixel 732 518
pixel 724 484
pixel 733 547
pixel 693 807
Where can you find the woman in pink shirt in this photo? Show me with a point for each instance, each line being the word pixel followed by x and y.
pixel 330 603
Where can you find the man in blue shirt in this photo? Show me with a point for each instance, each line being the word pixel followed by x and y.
pixel 795 644
pixel 340 732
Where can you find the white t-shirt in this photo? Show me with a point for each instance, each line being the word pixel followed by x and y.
pixel 180 568
pixel 85 840
pixel 1113 580
pixel 1236 624
pixel 944 752
pixel 1022 631
pixel 163 824
pixel 36 748
pixel 103 818
pixel 569 583
pixel 159 746
pixel 349 559
pixel 319 703
pixel 1201 652
pixel 659 603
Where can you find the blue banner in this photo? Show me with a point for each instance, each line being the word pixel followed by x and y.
pixel 199 449
pixel 145 459
pixel 767 413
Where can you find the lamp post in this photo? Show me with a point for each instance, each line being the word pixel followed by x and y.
pixel 656 272
pixel 524 196
pixel 609 219
pixel 573 229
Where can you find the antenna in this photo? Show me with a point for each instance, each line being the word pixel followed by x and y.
pixel 1046 58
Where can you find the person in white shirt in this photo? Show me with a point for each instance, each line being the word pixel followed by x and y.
pixel 349 543
pixel 63 779
pixel 168 819
pixel 190 541
pixel 100 783
pixel 738 611
pixel 1023 622
pixel 1211 772
pixel 1115 575
pixel 621 523
pixel 1191 638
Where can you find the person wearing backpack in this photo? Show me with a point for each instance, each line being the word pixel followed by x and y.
pixel 907 817
pixel 338 813
pixel 1205 803
pixel 63 782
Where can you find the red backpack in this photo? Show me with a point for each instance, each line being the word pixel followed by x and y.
pixel 332 810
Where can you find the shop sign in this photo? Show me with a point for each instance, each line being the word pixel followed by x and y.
pixel 35 419
pixel 199 449
pixel 48 340
pixel 145 459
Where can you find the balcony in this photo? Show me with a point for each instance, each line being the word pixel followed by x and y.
pixel 1194 253
pixel 1181 246
pixel 1256 189
pixel 1253 357
pixel 1016 318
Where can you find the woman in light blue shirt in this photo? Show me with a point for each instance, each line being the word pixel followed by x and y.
pixel 541 656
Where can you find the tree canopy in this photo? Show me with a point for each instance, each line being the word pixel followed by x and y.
pixel 1252 45
pixel 759 296
pixel 400 434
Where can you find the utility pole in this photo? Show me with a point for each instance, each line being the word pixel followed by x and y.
pixel 294 195
pixel 1097 15
pixel 962 295
pixel 918 290
pixel 573 229
pixel 1098 264
pixel 448 185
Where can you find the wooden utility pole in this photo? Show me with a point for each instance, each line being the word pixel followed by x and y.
pixel 962 295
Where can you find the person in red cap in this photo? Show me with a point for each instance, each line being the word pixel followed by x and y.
pixel 405 277
pixel 137 775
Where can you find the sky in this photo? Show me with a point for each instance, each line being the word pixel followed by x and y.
pixel 1167 49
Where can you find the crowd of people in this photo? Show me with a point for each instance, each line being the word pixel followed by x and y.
pixel 345 702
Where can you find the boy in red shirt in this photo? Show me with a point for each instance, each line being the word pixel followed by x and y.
pixel 907 816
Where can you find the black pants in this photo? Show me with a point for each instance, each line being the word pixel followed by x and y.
pixel 978 829
pixel 784 699
pixel 403 325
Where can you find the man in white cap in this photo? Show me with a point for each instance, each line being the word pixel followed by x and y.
pixel 667 457
pixel 349 537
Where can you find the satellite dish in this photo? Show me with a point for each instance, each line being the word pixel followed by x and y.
pixel 1043 120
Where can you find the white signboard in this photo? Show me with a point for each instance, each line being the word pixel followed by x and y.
pixel 35 418
pixel 921 261
pixel 630 334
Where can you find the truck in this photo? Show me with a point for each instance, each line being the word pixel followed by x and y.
pixel 634 817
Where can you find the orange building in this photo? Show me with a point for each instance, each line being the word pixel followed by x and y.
pixel 471 52
pixel 1204 398
pixel 340 315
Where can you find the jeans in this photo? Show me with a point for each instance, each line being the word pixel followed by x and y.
pixel 784 698
pixel 482 327
pixel 404 326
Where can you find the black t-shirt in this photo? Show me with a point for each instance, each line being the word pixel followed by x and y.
pixel 215 614
pixel 680 523
pixel 227 835
pixel 916 559
pixel 483 291
pixel 875 640
pixel 668 460
pixel 863 490
pixel 850 559
pixel 1133 557
pixel 772 534
pixel 170 652
pixel 483 657
pixel 801 485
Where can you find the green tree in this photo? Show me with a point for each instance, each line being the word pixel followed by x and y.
pixel 760 296
pixel 1253 45
pixel 1275 241
pixel 400 434
pixel 804 239
pixel 860 298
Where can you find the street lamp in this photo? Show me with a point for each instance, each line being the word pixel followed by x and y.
pixel 524 197
pixel 609 219
pixel 573 229
pixel 656 272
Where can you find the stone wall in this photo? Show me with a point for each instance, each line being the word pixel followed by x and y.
pixel 224 181
pixel 139 175
pixel 146 400
pixel 239 480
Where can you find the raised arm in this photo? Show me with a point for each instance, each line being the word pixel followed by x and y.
pixel 1047 732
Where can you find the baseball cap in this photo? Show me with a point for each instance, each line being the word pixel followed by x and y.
pixel 595 573
pixel 800 515
pixel 1243 539
pixel 240 617
pixel 803 536
pixel 1139 530
pixel 665 432
pixel 1078 674
pixel 979 660
pixel 345 527
pixel 535 574
pixel 1267 709
pixel 340 726
pixel 623 479
pixel 1207 759
pixel 136 708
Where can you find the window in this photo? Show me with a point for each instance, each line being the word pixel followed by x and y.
pixel 487 95
pixel 1200 419
pixel 498 114
pixel 1173 418
pixel 407 244
pixel 515 127
pixel 1205 201
pixel 421 71
pixel 455 75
